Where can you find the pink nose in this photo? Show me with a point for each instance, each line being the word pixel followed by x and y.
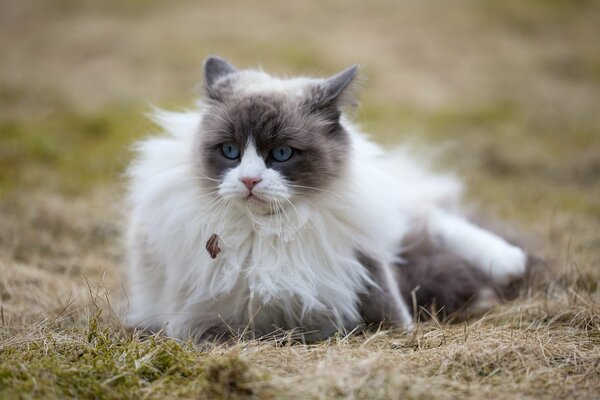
pixel 250 182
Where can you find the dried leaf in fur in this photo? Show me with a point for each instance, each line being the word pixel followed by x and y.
pixel 212 246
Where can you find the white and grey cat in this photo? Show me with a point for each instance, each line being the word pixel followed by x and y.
pixel 265 209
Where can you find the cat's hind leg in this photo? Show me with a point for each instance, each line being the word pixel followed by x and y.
pixel 441 284
pixel 484 250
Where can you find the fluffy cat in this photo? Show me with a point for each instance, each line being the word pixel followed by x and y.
pixel 266 209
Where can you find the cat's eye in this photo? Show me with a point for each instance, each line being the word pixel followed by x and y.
pixel 230 150
pixel 282 153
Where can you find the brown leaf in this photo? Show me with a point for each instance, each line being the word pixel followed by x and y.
pixel 212 246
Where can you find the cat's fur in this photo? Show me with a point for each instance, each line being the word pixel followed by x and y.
pixel 330 240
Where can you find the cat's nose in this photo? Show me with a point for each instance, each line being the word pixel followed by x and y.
pixel 250 182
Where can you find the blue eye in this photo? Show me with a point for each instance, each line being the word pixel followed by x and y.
pixel 282 153
pixel 230 151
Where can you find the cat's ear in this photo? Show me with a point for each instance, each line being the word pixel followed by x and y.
pixel 215 68
pixel 334 93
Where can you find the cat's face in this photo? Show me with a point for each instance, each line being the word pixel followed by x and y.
pixel 266 148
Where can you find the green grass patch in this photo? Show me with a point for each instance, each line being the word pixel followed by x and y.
pixel 66 150
pixel 102 362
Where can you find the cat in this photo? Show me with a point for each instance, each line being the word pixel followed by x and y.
pixel 265 210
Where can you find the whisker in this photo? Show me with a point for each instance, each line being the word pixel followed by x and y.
pixel 298 217
pixel 314 188
pixel 287 216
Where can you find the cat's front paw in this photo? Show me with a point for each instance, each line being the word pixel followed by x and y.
pixel 507 263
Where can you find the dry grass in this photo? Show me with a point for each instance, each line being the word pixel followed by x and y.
pixel 513 86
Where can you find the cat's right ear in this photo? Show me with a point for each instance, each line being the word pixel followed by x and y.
pixel 215 68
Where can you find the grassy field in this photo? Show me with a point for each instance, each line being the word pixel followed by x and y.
pixel 510 88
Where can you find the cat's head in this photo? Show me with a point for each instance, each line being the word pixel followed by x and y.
pixel 265 141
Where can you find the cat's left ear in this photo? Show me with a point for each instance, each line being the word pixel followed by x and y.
pixel 333 93
pixel 215 68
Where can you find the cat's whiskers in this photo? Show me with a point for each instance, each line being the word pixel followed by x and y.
pixel 280 225
pixel 209 208
pixel 287 216
pixel 314 188
pixel 191 223
pixel 206 177
pixel 307 223
pixel 297 226
pixel 273 215
pixel 216 206
pixel 204 195
pixel 223 209
pixel 269 210
pixel 213 204
pixel 251 215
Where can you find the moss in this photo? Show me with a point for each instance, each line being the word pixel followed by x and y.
pixel 104 363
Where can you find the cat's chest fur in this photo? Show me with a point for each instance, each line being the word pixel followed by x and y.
pixel 280 271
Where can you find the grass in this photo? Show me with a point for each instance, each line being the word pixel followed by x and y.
pixel 67 149
pixel 531 346
pixel 508 88
pixel 103 363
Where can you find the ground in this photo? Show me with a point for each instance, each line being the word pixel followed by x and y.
pixel 509 89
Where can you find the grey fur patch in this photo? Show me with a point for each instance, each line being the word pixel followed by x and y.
pixel 442 283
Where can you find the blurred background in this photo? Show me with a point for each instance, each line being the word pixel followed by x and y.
pixel 512 85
